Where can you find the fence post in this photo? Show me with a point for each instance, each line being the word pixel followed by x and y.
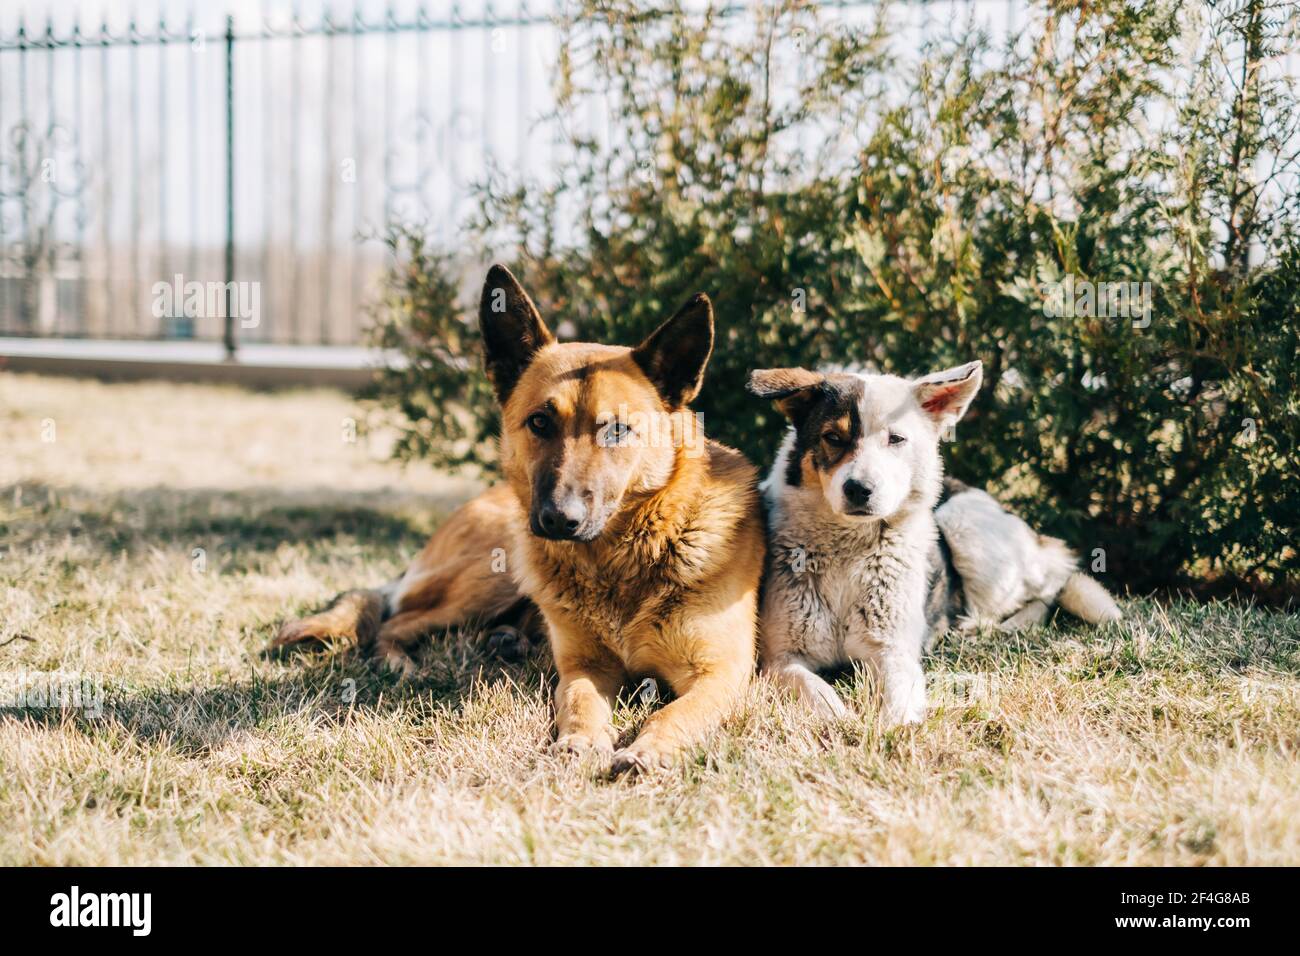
pixel 230 188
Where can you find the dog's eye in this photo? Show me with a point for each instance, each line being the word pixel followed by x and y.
pixel 896 439
pixel 615 432
pixel 834 440
pixel 539 424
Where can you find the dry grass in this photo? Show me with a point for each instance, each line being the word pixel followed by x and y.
pixel 1169 740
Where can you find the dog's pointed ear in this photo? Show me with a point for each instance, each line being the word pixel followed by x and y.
pixel 793 389
pixel 946 395
pixel 674 355
pixel 513 330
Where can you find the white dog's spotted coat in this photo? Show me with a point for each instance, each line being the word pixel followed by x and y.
pixel 857 570
pixel 847 580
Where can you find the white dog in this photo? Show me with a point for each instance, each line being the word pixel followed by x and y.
pixel 857 569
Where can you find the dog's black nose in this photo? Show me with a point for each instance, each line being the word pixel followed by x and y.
pixel 856 494
pixel 559 522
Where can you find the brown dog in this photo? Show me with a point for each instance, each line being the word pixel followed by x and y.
pixel 640 542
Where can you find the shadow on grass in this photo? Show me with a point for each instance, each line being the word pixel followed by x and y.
pixel 307 689
pixel 256 520
pixel 246 527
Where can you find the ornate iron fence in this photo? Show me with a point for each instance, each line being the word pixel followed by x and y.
pixel 168 182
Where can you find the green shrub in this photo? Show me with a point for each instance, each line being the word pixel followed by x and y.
pixel 437 392
pixel 941 211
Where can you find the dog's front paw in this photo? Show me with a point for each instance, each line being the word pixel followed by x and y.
pixel 903 713
pixel 815 693
pixel 640 758
pixel 581 744
pixel 825 703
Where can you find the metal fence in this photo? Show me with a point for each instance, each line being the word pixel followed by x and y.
pixel 145 172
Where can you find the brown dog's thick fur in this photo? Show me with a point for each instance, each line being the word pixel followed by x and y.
pixel 641 547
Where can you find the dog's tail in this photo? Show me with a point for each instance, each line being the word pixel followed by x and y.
pixel 351 620
pixel 1078 593
pixel 1086 599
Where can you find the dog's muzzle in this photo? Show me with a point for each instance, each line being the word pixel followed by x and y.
pixel 857 498
pixel 562 521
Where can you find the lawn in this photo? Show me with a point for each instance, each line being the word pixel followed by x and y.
pixel 152 536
